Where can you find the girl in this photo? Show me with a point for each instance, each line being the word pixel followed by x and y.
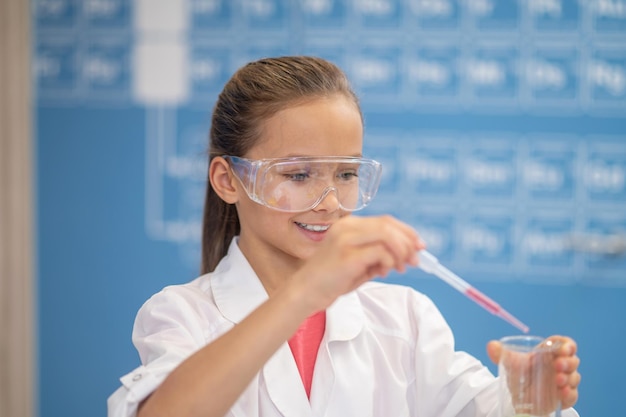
pixel 285 320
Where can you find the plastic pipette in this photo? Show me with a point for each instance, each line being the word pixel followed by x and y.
pixel 429 263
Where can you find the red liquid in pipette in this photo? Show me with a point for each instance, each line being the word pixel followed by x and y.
pixel 494 308
pixel 480 298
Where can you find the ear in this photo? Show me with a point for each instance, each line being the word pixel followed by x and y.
pixel 223 181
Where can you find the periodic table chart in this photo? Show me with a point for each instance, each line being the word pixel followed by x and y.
pixel 501 125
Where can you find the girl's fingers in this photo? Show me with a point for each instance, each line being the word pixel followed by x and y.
pixel 567 379
pixel 494 349
pixel 399 239
pixel 569 391
pixel 567 345
pixel 566 364
pixel 379 261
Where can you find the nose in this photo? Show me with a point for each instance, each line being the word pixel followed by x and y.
pixel 329 201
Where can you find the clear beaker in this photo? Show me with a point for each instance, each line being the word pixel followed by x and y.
pixel 528 377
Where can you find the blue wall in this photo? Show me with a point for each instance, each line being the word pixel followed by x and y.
pixel 501 126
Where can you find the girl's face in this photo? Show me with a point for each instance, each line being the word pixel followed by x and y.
pixel 323 127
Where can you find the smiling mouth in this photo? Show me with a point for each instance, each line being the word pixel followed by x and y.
pixel 313 227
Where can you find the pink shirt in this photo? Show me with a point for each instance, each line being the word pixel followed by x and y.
pixel 304 345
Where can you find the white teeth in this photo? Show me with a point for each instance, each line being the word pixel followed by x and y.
pixel 313 227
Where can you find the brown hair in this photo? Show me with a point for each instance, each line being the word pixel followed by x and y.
pixel 254 93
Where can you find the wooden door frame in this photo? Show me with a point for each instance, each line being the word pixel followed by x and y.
pixel 17 248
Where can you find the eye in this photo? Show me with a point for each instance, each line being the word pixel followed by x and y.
pixel 347 175
pixel 296 176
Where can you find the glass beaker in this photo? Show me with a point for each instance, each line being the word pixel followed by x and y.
pixel 528 377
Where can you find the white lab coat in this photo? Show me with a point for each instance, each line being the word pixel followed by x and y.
pixel 386 352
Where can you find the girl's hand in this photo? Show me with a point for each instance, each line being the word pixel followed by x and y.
pixel 565 364
pixel 355 250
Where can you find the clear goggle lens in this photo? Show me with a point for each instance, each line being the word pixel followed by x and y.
pixel 301 183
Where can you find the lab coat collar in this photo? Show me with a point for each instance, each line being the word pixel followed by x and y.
pixel 344 318
pixel 236 288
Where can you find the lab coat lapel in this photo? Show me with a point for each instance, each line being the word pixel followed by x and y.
pixel 344 322
pixel 284 384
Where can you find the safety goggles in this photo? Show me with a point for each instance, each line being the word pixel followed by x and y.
pixel 301 183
